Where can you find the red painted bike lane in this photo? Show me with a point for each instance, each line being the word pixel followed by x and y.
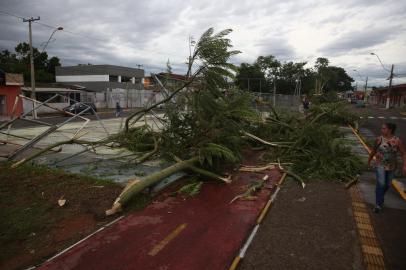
pixel 202 232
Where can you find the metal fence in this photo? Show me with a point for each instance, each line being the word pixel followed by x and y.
pixel 264 100
pixel 126 98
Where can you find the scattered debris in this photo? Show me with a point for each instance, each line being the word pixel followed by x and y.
pixel 61 201
pixel 302 199
pixel 257 169
pixel 249 194
pixel 190 190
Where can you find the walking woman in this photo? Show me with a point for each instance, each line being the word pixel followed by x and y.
pixel 385 152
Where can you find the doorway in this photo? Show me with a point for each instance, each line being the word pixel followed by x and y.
pixel 3 105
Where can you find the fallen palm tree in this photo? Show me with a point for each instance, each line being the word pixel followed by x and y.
pixel 205 127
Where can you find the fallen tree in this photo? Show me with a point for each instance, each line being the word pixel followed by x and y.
pixel 205 126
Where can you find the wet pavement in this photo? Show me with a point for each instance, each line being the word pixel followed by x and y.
pixel 102 162
pixel 202 232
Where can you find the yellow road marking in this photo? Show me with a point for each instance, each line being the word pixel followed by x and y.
pixel 371 250
pixel 398 188
pixel 157 248
pixel 235 263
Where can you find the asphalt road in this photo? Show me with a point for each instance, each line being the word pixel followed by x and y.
pixel 374 124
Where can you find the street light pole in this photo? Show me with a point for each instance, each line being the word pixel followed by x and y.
pixel 390 80
pixel 49 39
pixel 30 20
pixel 365 91
pixel 274 91
pixel 390 88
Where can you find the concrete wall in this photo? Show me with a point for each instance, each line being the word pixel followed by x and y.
pixel 131 98
pixel 27 106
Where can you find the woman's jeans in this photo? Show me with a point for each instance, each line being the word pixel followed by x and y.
pixel 383 180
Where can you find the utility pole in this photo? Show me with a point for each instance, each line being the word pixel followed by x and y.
pixel 30 20
pixel 390 88
pixel 390 80
pixel 274 91
pixel 260 86
pixel 365 90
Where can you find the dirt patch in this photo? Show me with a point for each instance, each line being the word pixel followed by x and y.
pixel 309 228
pixel 33 226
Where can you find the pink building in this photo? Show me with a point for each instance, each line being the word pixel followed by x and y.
pixel 397 97
pixel 10 88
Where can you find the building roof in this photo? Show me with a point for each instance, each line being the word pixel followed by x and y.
pixel 55 87
pixel 11 78
pixel 50 89
pixel 99 70
pixel 173 76
pixel 394 87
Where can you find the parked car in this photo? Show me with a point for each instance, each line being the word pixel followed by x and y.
pixel 79 107
pixel 360 104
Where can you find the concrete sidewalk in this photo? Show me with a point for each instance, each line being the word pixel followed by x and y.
pixel 390 224
pixel 311 228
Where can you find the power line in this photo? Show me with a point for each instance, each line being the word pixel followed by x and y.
pixel 10 14
pixel 51 26
pixel 79 34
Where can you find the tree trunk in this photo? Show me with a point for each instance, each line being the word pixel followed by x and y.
pixel 133 189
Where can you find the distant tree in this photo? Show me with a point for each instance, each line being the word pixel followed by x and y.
pixel 19 62
pixel 321 63
pixel 251 77
pixel 339 80
pixel 52 63
pixel 331 78
pixel 269 65
pixel 285 76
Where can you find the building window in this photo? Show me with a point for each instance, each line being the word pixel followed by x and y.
pixel 113 78
pixel 125 79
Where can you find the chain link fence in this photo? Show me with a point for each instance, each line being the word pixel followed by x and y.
pixel 262 101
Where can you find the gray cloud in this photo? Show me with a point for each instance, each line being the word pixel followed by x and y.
pixel 149 32
pixel 277 46
pixel 356 40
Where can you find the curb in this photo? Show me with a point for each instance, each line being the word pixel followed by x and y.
pixel 260 218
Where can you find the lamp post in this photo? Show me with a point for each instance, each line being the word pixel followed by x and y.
pixel 390 80
pixel 30 20
pixel 50 37
pixel 366 84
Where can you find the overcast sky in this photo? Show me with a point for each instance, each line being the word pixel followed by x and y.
pixel 149 32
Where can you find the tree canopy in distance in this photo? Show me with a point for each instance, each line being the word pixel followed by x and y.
pixel 19 62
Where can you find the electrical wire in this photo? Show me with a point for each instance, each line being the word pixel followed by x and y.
pixel 10 14
pixel 51 26
pixel 379 59
pixel 77 34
